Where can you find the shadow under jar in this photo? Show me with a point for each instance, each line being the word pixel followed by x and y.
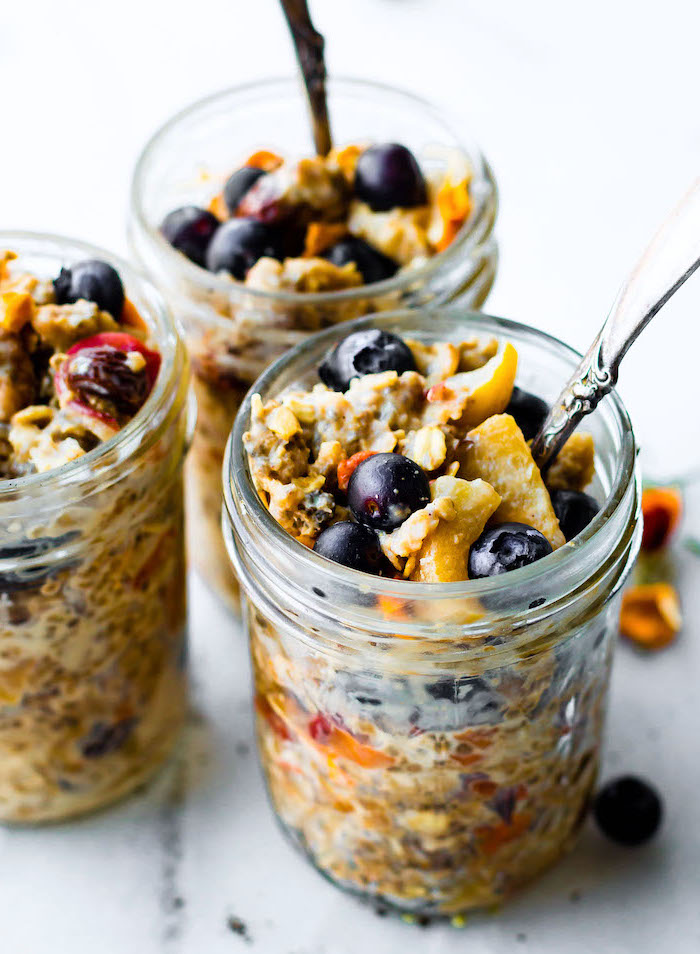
pixel 93 688
pixel 234 332
pixel 432 746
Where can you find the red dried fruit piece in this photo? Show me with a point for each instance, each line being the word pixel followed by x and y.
pixel 661 512
pixel 98 372
pixel 264 202
pixel 339 743
pixel 346 468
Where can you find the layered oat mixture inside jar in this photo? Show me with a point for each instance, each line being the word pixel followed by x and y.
pixel 433 754
pixel 312 226
pixel 92 585
pixel 257 243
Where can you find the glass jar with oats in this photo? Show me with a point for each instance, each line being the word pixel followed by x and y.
pixel 431 619
pixel 257 243
pixel 94 424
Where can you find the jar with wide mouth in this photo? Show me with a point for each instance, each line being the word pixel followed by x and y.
pixel 234 332
pixel 93 687
pixel 433 746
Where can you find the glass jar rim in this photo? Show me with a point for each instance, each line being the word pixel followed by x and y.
pixel 241 497
pixel 483 189
pixel 104 460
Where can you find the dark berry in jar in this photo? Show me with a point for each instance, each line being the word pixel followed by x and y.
pixel 574 511
pixel 628 810
pixel 372 264
pixel 238 184
pixel 365 352
pixel 190 230
pixel 92 280
pixel 528 410
pixel 352 545
pixel 388 176
pixel 506 547
pixel 102 373
pixel 385 489
pixel 239 243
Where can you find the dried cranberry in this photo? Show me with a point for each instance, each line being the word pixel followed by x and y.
pixel 320 729
pixel 99 372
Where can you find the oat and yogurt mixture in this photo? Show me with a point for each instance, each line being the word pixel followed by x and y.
pixel 438 793
pixel 92 614
pixel 315 225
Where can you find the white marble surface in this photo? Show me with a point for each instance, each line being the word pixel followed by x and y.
pixel 589 116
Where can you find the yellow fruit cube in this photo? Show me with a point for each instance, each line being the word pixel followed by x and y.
pixel 497 452
pixel 16 310
pixel 444 554
pixel 574 466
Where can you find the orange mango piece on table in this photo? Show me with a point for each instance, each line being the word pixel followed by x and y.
pixel 651 615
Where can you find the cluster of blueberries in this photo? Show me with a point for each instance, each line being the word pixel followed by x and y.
pixel 387 176
pixel 385 489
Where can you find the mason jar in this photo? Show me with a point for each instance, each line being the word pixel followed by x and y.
pixel 233 332
pixel 433 746
pixel 93 687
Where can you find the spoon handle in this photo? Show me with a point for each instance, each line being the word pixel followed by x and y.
pixel 309 45
pixel 671 257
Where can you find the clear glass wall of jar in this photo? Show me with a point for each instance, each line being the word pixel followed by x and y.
pixel 233 333
pixel 434 746
pixel 92 591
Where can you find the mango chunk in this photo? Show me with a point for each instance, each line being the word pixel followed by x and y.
pixel 574 466
pixel 444 554
pixel 471 397
pixel 497 452
pixel 16 310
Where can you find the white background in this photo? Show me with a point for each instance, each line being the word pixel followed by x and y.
pixel 589 115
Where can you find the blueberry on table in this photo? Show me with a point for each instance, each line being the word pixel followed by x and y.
pixel 387 176
pixel 190 230
pixel 91 280
pixel 372 264
pixel 238 184
pixel 574 511
pixel 506 547
pixel 365 352
pixel 239 243
pixel 628 810
pixel 351 545
pixel 528 410
pixel 385 489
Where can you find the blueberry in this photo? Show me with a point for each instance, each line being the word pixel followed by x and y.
pixel 365 352
pixel 190 230
pixel 628 810
pixel 506 547
pixel 238 245
pixel 372 264
pixel 385 489
pixel 574 511
pixel 103 739
pixel 238 184
pixel 528 410
pixel 387 176
pixel 352 545
pixel 92 280
pixel 458 702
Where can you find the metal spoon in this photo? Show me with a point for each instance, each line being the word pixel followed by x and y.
pixel 309 44
pixel 670 259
